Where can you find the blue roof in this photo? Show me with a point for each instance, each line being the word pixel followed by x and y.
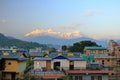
pixel 36 54
pixel 15 56
pixel 60 57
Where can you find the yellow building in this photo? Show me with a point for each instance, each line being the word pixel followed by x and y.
pixel 12 65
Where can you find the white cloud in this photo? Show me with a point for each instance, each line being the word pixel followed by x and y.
pixel 87 14
pixel 95 37
pixel 50 32
pixel 69 27
pixel 96 11
pixel 92 13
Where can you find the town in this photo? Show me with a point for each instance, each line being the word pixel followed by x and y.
pixel 59 40
pixel 94 63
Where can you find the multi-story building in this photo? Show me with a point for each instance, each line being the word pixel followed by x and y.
pixel 114 50
pixel 12 65
pixel 117 66
pixel 101 56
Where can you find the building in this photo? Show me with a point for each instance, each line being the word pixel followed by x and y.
pixel 12 65
pixel 90 74
pixel 101 56
pixel 67 64
pixel 111 46
pixel 117 66
pixel 114 50
pixel 3 50
pixel 33 55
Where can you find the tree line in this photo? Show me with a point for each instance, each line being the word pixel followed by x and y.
pixel 79 46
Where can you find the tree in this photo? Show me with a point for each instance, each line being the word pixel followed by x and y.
pixel 79 46
pixel 64 47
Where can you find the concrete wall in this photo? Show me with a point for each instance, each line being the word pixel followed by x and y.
pixel 11 66
pixel 64 63
pixel 21 68
pixel 80 64
pixel 39 64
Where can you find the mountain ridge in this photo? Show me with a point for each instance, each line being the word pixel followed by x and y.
pixel 8 41
pixel 62 41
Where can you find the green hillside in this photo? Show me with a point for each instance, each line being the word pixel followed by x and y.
pixel 9 41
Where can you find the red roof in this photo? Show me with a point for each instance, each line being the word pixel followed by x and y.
pixel 52 76
pixel 90 71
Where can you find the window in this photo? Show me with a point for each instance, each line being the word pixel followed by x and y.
pixel 102 60
pixel 92 78
pixel 119 49
pixel 9 63
pixel 108 60
pixel 76 78
pixel 101 51
pixel 80 78
pixel 99 77
pixel 93 61
pixel 92 51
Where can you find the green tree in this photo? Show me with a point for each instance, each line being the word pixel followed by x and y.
pixel 64 47
pixel 79 46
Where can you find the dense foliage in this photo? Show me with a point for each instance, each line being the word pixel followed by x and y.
pixel 79 46
pixel 64 47
pixel 9 41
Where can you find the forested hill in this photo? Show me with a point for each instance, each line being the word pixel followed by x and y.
pixel 9 41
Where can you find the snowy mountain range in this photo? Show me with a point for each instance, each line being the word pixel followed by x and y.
pixel 62 41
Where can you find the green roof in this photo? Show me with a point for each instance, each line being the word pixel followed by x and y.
pixel 95 48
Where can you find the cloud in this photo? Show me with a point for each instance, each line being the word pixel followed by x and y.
pixel 69 27
pixel 3 20
pixel 92 13
pixel 95 37
pixel 87 14
pixel 96 11
pixel 50 32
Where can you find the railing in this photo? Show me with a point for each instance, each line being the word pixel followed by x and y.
pixel 29 69
pixel 41 73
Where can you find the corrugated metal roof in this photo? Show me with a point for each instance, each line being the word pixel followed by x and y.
pixel 42 59
pixel 36 54
pixel 94 63
pixel 96 48
pixel 69 58
pixel 15 56
pixel 76 59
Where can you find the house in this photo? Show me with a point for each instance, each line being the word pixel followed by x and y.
pixel 59 65
pixel 59 62
pixel 101 56
pixel 117 63
pixel 2 50
pixel 12 65
pixel 33 55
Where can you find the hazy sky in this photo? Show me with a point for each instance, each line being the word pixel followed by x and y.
pixel 98 19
